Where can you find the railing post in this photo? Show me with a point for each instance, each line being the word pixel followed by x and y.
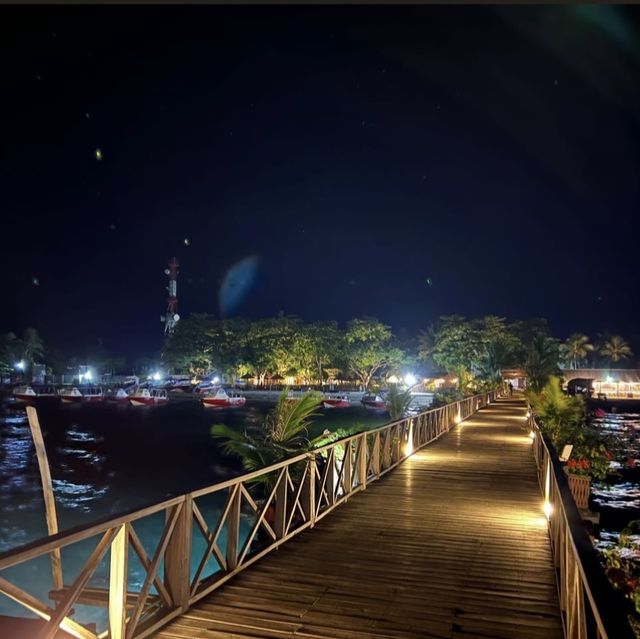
pixel 118 583
pixel 331 476
pixel 177 557
pixel 375 455
pixel 347 479
pixel 362 460
pixel 233 527
pixel 309 491
pixel 281 504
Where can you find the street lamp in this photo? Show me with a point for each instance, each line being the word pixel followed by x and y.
pixel 20 365
pixel 410 379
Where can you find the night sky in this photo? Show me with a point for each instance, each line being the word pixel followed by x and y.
pixel 403 163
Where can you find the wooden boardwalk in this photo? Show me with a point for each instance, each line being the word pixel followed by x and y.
pixel 452 543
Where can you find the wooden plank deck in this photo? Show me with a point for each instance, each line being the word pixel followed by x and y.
pixel 452 543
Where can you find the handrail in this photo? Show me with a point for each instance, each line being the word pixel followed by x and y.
pixel 301 490
pixel 589 604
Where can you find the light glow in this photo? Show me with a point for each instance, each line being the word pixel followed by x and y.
pixel 410 379
pixel 532 435
pixel 458 418
pixel 156 376
pixel 20 365
pixel 215 380
pixel 548 509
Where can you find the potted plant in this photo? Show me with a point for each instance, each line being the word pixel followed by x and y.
pixel 590 462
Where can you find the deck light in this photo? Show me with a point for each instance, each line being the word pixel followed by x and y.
pixel 458 418
pixel 532 435
pixel 548 509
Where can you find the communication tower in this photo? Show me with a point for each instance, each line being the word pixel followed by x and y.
pixel 171 317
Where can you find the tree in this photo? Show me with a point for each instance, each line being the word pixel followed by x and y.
pixel 575 349
pixel 542 356
pixel 283 434
pixel 397 402
pixel 188 347
pixel 32 344
pixel 368 348
pixel 614 348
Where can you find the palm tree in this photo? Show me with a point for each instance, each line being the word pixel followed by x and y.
pixel 283 434
pixel 541 361
pixel 32 344
pixel 575 349
pixel 398 402
pixel 615 348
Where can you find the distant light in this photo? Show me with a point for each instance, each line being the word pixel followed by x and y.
pixel 80 376
pixel 98 154
pixel 187 241
pixel 410 379
pixel 393 379
pixel 609 379
pixel 156 376
pixel 548 509
pixel 20 365
pixel 532 434
pixel 88 375
pixel 215 380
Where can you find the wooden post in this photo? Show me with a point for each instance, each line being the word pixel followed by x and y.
pixel 347 480
pixel 177 557
pixel 47 489
pixel 233 527
pixel 281 504
pixel 331 476
pixel 375 454
pixel 118 583
pixel 362 461
pixel 309 491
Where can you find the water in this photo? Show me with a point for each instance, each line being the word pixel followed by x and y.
pixel 107 459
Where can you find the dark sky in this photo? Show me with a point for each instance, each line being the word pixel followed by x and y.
pixel 357 151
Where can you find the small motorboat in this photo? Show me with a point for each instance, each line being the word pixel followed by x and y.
pixel 70 395
pixel 149 397
pixel 336 401
pixel 92 394
pixel 373 402
pixel 24 394
pixel 221 399
pixel 120 396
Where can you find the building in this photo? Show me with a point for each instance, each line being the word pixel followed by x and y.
pixel 619 383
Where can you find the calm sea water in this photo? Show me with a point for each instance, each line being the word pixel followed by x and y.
pixel 106 459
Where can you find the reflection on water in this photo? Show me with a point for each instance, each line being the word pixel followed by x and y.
pixel 108 459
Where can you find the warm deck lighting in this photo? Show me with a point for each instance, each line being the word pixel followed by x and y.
pixel 548 509
pixel 532 435
pixel 458 418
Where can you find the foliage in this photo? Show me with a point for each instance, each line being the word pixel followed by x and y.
pixel 369 348
pixel 283 434
pixel 28 348
pixel 541 363
pixel 622 563
pixel 559 415
pixel 397 402
pixel 575 349
pixel 444 397
pixel 614 348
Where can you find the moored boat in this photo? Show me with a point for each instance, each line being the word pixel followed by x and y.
pixel 120 396
pixel 70 395
pixel 373 402
pixel 336 401
pixel 24 394
pixel 149 397
pixel 92 394
pixel 221 399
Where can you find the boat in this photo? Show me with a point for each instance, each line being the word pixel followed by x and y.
pixel 336 401
pixel 92 394
pixel 373 402
pixel 70 395
pixel 24 394
pixel 149 397
pixel 121 396
pixel 221 399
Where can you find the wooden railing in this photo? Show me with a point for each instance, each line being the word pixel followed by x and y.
pixel 590 607
pixel 207 536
